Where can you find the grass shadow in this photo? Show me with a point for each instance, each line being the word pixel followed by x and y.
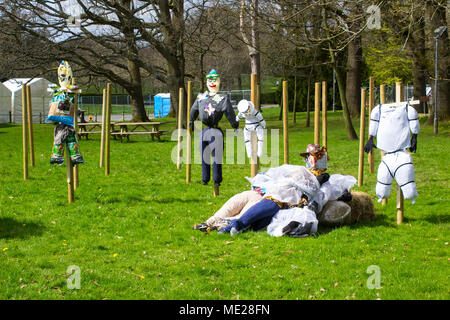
pixel 432 218
pixel 11 228
pixel 379 221
pixel 6 125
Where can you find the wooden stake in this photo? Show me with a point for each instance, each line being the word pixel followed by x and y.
pixel 30 125
pixel 188 136
pixel 75 126
pixel 216 191
pixel 253 89
pixel 24 132
pixel 70 187
pixel 361 138
pixel 371 105
pixel 285 122
pixel 103 134
pixel 317 113
pixel 399 98
pixel 324 113
pixel 108 131
pixel 383 101
pixel 180 119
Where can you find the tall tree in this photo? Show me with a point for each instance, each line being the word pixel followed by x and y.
pixel 438 18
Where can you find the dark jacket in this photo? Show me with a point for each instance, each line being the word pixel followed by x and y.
pixel 211 110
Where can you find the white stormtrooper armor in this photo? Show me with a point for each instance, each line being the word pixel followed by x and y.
pixel 392 126
pixel 254 121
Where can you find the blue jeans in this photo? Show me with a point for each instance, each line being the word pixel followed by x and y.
pixel 258 216
pixel 211 145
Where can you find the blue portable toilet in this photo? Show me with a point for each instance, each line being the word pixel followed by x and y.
pixel 162 105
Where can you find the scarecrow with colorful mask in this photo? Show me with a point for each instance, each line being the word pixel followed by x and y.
pixel 62 112
pixel 211 106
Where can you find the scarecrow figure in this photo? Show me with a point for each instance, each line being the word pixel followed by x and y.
pixel 254 121
pixel 211 106
pixel 392 126
pixel 62 112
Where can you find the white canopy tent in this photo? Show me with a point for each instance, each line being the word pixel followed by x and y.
pixel 40 99
pixel 5 104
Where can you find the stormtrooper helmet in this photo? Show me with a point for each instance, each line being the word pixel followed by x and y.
pixel 245 106
pixel 65 74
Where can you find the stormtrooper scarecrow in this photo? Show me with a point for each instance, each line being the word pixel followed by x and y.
pixel 62 112
pixel 211 106
pixel 392 127
pixel 253 122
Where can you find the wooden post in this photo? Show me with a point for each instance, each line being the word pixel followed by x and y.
pixel 399 98
pixel 361 138
pixel 383 101
pixel 103 133
pixel 253 138
pixel 70 186
pixel 371 105
pixel 30 125
pixel 188 133
pixel 108 130
pixel 24 132
pixel 75 126
pixel 285 122
pixel 180 126
pixel 317 113
pixel 324 113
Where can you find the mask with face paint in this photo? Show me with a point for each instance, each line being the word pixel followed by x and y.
pixel 65 75
pixel 213 82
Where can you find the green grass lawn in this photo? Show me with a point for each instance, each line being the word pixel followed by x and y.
pixel 131 233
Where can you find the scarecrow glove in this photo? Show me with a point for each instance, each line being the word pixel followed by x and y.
pixel 369 145
pixel 413 146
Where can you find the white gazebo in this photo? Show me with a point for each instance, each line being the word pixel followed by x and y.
pixel 40 99
pixel 5 104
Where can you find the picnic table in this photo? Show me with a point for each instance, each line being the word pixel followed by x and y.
pixel 122 129
pixel 125 129
pixel 85 128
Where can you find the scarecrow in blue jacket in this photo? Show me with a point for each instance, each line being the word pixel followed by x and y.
pixel 211 106
pixel 62 112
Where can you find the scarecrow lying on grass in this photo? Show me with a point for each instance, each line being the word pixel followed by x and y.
pixel 289 200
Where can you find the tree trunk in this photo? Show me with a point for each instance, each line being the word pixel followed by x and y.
pixel 253 43
pixel 438 19
pixel 416 47
pixel 138 112
pixel 353 87
pixel 172 17
pixel 308 99
pixel 135 89
pixel 351 133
